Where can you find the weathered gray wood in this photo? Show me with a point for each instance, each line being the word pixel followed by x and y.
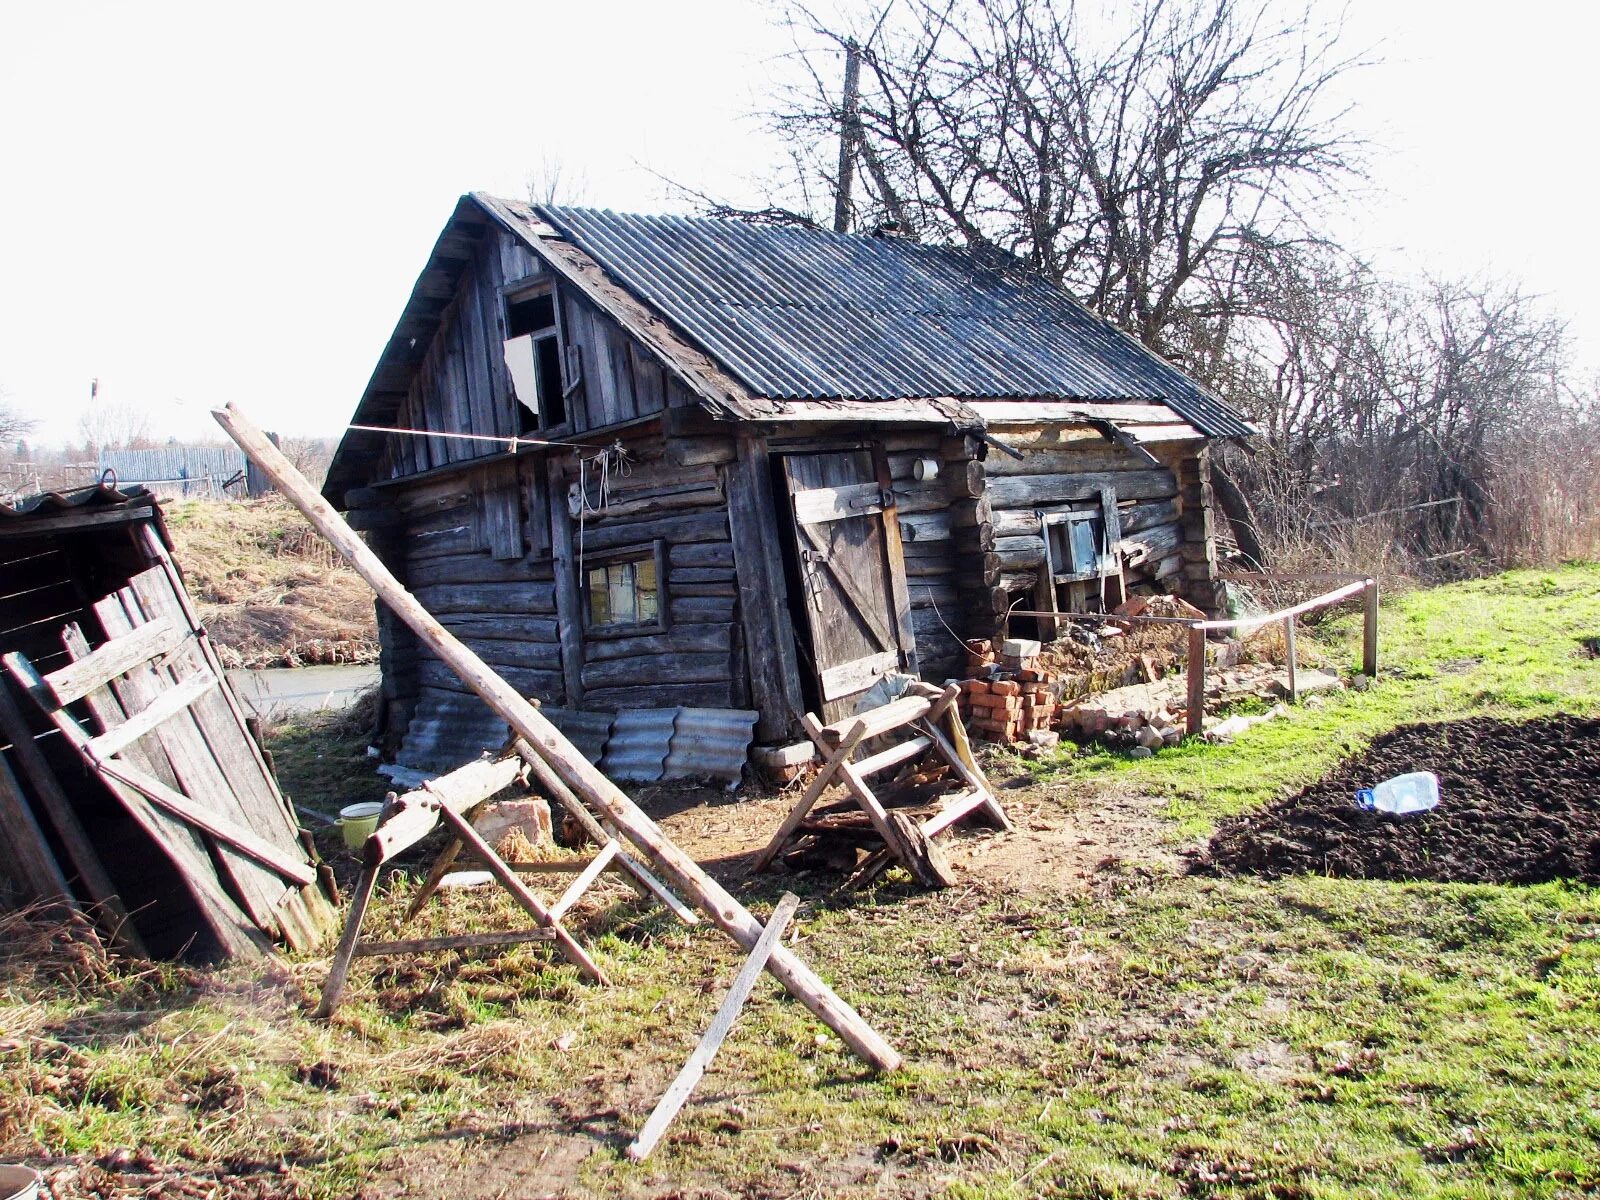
pixel 698 451
pixel 502 652
pixel 687 527
pixel 1075 459
pixel 500 511
pixel 700 554
pixel 233 931
pixel 105 663
pixel 535 597
pixel 164 707
pixel 243 840
pixel 25 857
pixel 1138 517
pixel 546 685
pixel 680 639
pixel 1024 550
pixel 1151 545
pixel 699 610
pixel 475 567
pixel 568 588
pixel 548 742
pixel 925 527
pixel 680 1089
pixel 218 763
pixel 105 905
pixel 661 695
pixel 500 627
pixel 1024 491
pixel 644 670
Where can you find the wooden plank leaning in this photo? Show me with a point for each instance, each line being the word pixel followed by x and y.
pixel 548 742
pixel 674 1097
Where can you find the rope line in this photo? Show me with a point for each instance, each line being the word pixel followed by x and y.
pixel 511 442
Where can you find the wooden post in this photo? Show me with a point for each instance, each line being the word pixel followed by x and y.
pixel 673 1099
pixel 1197 680
pixel 1369 631
pixel 1289 654
pixel 348 940
pixel 548 742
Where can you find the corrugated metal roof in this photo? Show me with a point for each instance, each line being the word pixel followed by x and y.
pixel 95 497
pixel 800 314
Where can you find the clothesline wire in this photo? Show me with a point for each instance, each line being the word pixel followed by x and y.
pixel 510 441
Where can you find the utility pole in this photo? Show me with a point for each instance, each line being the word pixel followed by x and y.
pixel 849 134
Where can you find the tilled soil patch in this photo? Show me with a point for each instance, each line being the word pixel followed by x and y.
pixel 1519 803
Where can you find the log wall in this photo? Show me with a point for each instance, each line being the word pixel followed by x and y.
pixel 1167 543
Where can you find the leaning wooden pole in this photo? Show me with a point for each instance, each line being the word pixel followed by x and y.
pixel 681 870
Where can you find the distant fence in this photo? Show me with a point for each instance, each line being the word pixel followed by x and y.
pixel 187 472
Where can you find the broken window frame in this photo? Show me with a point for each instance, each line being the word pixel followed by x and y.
pixel 654 553
pixel 518 292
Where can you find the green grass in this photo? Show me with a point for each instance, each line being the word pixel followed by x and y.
pixel 1162 1036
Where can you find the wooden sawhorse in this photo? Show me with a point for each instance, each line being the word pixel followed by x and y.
pixel 929 714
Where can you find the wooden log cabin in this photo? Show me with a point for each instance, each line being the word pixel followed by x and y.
pixel 659 461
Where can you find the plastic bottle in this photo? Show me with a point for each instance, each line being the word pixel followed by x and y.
pixel 1415 791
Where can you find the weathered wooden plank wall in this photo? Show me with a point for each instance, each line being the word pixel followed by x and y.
pixel 461 385
pixel 1063 467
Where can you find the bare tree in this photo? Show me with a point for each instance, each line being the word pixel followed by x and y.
pixel 1148 156
pixel 1418 402
pixel 13 425
pixel 554 181
pixel 113 425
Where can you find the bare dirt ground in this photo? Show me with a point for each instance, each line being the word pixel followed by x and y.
pixel 1058 846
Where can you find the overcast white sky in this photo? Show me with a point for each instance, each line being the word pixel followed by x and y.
pixel 213 201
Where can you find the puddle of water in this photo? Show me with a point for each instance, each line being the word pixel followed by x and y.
pixel 285 690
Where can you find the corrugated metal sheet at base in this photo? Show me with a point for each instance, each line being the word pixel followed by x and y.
pixel 448 729
pixel 801 314
pixel 709 741
pixel 588 731
pixel 639 743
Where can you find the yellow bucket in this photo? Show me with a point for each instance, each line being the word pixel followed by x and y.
pixel 358 822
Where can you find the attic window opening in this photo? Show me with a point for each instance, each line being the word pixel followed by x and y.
pixel 533 356
pixel 624 592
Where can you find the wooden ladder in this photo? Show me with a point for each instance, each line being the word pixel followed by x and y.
pixel 929 716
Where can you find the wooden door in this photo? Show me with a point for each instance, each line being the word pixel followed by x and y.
pixel 851 574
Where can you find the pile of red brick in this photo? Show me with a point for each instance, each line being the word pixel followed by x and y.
pixel 1008 696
